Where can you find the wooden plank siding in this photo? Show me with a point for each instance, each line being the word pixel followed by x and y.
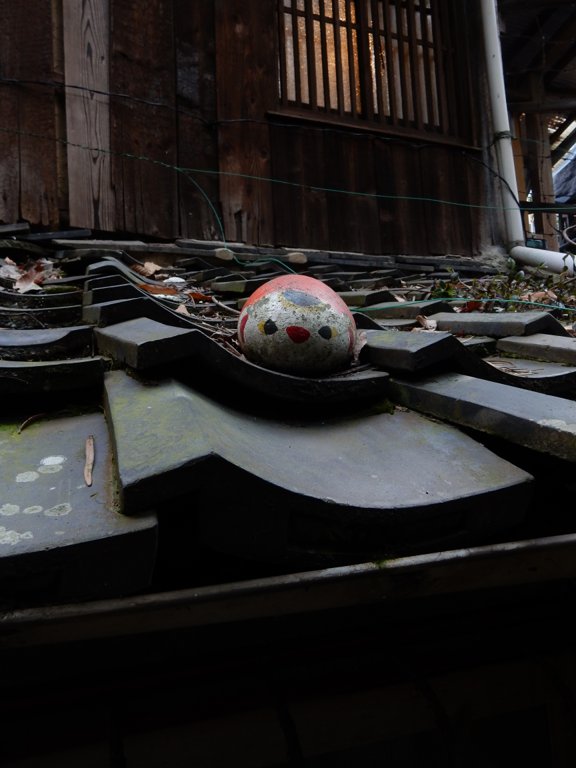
pixel 204 120
pixel 246 91
pixel 143 117
pixel 194 41
pixel 29 116
pixel 86 28
pixel 300 204
pixel 9 138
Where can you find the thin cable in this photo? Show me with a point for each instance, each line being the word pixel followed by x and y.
pixel 471 300
pixel 267 179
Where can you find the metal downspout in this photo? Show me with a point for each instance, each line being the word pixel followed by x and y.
pixel 502 138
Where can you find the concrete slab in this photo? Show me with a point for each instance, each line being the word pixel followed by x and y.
pixel 401 324
pixel 364 321
pixel 538 376
pixel 499 324
pixel 118 311
pixel 45 344
pixel 540 346
pixel 60 537
pixel 393 350
pixel 372 470
pixel 363 298
pixel 142 343
pixel 18 377
pixel 532 419
pixel 407 309
pixel 480 345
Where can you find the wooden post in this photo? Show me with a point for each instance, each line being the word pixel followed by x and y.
pixel 196 116
pixel 517 130
pixel 247 87
pixel 29 119
pixel 143 117
pixel 540 166
pixel 86 42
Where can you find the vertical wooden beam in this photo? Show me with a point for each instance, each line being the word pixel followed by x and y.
pixel 86 44
pixel 401 219
pixel 300 211
pixel 143 117
pixel 519 168
pixel 29 109
pixel 352 213
pixel 540 167
pixel 9 136
pixel 196 119
pixel 247 87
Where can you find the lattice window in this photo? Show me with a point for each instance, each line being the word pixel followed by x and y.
pixel 387 61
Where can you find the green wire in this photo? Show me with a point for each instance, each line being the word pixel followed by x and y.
pixel 263 262
pixel 471 299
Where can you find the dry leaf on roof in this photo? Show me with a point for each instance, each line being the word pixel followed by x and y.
pixel 472 306
pixel 159 290
pixel 89 461
pixel 198 296
pixel 426 323
pixel 540 296
pixel 9 270
pixel 27 282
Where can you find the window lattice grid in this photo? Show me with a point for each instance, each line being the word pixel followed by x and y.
pixel 380 60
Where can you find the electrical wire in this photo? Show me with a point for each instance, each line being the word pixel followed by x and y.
pixel 473 300
pixel 266 179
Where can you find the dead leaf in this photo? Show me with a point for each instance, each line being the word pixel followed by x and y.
pixel 360 342
pixel 540 296
pixel 9 271
pixel 29 421
pixel 181 309
pixel 148 269
pixel 508 367
pixel 472 306
pixel 159 290
pixel 27 282
pixel 198 296
pixel 426 323
pixel 89 463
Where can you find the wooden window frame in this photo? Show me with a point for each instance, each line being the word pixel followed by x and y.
pixel 406 74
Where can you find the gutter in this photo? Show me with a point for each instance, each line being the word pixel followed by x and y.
pixel 502 138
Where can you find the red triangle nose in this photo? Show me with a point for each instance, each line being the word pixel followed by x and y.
pixel 297 333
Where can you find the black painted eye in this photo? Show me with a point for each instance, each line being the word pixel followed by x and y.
pixel 270 327
pixel 325 332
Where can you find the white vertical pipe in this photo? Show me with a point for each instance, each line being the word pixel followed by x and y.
pixel 502 138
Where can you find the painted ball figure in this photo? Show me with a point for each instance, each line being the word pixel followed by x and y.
pixel 297 324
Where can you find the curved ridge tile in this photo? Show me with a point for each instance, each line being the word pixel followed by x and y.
pixel 538 421
pixel 45 343
pixel 57 529
pixel 373 463
pixel 22 377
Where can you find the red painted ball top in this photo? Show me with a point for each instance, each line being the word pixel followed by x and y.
pixel 297 324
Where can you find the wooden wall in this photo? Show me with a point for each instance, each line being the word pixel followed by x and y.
pixel 162 119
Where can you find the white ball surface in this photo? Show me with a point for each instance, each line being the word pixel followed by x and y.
pixel 297 324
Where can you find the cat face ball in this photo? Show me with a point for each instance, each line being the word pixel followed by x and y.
pixel 297 324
